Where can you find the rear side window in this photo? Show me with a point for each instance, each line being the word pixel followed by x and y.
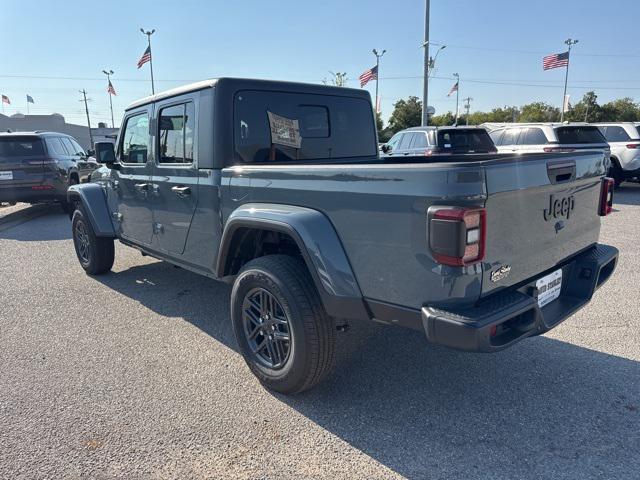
pixel 135 140
pixel 615 134
pixel 581 134
pixel 533 136
pixel 15 146
pixel 511 136
pixel 69 146
pixel 55 147
pixel 289 127
pixel 462 140
pixel 176 133
pixel 420 140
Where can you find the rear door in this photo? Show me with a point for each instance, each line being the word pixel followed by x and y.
pixel 175 175
pixel 541 208
pixel 405 144
pixel 21 161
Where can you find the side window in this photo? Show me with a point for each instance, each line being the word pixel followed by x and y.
pixel 510 136
pixel 615 134
pixel 76 147
pixel 419 140
pixel 54 146
pixel 406 141
pixel 496 136
pixel 176 131
pixel 395 140
pixel 68 146
pixel 135 140
pixel 533 136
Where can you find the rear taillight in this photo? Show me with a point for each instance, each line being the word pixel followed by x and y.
pixel 457 235
pixel 633 145
pixel 606 196
pixel 42 187
pixel 558 149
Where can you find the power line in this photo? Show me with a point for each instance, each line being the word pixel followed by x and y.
pixel 537 52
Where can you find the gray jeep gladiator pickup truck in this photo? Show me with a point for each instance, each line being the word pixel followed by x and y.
pixel 278 188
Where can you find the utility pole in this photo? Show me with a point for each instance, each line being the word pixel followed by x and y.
pixel 148 34
pixel 378 56
pixel 108 74
pixel 86 109
pixel 457 96
pixel 425 80
pixel 467 107
pixel 568 42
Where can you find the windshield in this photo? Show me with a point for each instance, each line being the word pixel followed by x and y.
pixel 582 134
pixel 15 146
pixel 465 140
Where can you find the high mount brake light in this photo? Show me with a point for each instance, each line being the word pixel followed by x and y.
pixel 457 236
pixel 558 149
pixel 606 196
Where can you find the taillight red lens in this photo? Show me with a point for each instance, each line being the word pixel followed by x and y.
pixel 457 235
pixel 606 196
pixel 633 145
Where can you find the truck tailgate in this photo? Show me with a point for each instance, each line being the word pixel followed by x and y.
pixel 540 210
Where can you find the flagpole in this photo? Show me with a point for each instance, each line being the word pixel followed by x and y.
pixel 148 34
pixel 569 42
pixel 108 74
pixel 457 95
pixel 375 52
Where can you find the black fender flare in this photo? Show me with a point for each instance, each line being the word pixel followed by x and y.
pixel 319 244
pixel 94 200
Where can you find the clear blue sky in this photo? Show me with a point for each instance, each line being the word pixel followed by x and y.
pixel 487 41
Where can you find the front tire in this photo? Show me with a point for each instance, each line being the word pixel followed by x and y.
pixel 95 254
pixel 282 330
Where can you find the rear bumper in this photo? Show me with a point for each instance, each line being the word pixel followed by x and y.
pixel 32 193
pixel 504 318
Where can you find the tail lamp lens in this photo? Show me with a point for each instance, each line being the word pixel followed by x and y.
pixel 606 196
pixel 457 235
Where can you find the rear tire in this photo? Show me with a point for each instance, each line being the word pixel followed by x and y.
pixel 274 298
pixel 95 254
pixel 616 173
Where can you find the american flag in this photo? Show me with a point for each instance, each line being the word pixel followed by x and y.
pixel 371 74
pixel 110 89
pixel 6 100
pixel 453 90
pixel 146 57
pixel 555 61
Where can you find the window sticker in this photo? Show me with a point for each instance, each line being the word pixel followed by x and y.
pixel 284 131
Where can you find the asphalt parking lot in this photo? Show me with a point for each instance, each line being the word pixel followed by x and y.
pixel 135 375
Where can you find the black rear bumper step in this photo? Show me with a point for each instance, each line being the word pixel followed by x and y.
pixel 506 317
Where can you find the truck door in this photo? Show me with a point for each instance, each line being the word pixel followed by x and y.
pixel 175 174
pixel 132 182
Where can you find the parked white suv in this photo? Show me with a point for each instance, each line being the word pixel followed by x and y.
pixel 624 140
pixel 546 137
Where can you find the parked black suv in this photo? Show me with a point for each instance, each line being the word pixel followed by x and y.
pixel 39 167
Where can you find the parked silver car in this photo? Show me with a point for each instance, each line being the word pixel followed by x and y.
pixel 437 141
pixel 624 140
pixel 546 137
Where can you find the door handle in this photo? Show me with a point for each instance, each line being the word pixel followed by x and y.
pixel 181 191
pixel 143 187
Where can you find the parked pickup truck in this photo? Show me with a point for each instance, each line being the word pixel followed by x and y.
pixel 278 188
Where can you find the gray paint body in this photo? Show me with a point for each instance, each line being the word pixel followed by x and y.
pixel 362 227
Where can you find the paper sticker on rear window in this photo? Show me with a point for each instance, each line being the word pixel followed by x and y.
pixel 284 131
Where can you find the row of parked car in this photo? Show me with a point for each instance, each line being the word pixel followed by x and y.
pixel 620 140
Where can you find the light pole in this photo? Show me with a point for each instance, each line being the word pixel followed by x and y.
pixel 148 34
pixel 457 95
pixel 86 109
pixel 108 73
pixel 467 107
pixel 378 56
pixel 425 80
pixel 568 42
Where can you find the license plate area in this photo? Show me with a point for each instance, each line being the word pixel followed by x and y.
pixel 549 287
pixel 6 175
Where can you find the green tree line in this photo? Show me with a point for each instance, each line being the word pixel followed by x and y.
pixel 408 113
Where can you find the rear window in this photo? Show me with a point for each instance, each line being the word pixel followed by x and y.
pixel 288 127
pixel 11 147
pixel 568 135
pixel 463 140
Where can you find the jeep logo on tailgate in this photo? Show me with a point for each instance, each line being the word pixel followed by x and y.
pixel 559 207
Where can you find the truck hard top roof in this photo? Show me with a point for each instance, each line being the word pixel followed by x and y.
pixel 253 84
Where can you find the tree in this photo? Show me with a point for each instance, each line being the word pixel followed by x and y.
pixel 443 119
pixel 621 110
pixel 406 113
pixel 338 79
pixel 586 110
pixel 539 112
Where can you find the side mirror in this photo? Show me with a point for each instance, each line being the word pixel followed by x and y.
pixel 90 152
pixel 106 154
pixel 386 148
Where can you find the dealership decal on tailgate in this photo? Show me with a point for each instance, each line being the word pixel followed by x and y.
pixel 549 288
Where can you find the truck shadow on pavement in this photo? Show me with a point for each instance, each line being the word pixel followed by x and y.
pixel 544 408
pixel 57 225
